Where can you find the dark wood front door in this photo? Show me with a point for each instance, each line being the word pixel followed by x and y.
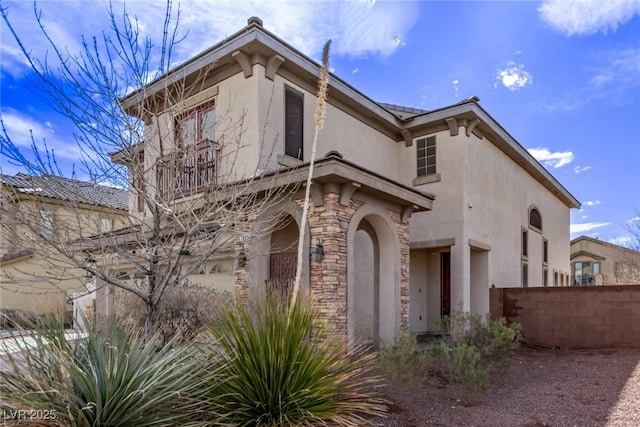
pixel 445 283
pixel 282 271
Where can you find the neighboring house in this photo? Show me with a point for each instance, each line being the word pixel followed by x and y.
pixel 418 212
pixel 38 212
pixel 598 263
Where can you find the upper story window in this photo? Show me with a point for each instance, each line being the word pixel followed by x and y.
pixel 47 223
pixel 426 155
pixel 191 169
pixel 293 123
pixel 535 219
pixel 106 225
pixel 525 243
pixel 196 125
pixel 545 251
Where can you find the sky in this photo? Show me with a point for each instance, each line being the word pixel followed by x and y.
pixel 561 76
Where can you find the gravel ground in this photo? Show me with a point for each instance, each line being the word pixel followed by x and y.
pixel 540 388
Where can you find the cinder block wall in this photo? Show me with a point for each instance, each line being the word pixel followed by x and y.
pixel 572 317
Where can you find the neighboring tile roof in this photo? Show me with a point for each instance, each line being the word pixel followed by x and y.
pixel 68 189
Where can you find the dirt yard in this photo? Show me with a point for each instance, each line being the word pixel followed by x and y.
pixel 540 388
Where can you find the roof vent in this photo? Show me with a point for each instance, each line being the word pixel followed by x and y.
pixel 254 20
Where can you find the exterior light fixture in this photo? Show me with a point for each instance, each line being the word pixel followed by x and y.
pixel 241 259
pixel 317 253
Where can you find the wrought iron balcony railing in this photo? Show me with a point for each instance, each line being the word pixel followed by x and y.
pixel 187 171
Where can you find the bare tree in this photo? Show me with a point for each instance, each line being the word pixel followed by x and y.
pixel 181 213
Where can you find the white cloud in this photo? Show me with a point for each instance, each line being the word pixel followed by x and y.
pixel 20 127
pixel 583 17
pixel 584 217
pixel 355 71
pixel 633 220
pixel 580 169
pixel 456 87
pixel 513 76
pixel 625 241
pixel 555 159
pixel 615 78
pixel 357 28
pixel 587 226
pixel 591 203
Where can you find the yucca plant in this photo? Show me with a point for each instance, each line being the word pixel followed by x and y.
pixel 107 376
pixel 282 372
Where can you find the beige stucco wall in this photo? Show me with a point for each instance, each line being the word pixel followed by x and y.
pixel 40 282
pixel 482 205
pixel 354 139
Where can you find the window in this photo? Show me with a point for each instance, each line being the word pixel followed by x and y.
pixel 196 125
pixel 545 277
pixel 535 219
pixel 426 156
pixel 139 182
pixel 525 244
pixel 293 123
pixel 555 278
pixel 583 273
pixel 525 274
pixel 191 169
pixel 545 251
pixel 46 222
pixel 106 225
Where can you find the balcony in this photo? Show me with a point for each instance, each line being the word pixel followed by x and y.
pixel 187 171
pixel 584 280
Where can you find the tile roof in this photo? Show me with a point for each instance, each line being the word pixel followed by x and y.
pixel 68 189
pixel 402 111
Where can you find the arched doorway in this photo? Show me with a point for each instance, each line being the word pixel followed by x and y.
pixel 373 296
pixel 283 255
pixel 366 286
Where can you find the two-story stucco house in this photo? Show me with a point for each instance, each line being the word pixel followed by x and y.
pixel 597 263
pixel 38 215
pixel 414 213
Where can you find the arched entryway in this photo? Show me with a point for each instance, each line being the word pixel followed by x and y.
pixel 373 295
pixel 283 254
pixel 273 248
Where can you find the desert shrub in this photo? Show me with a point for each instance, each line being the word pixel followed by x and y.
pixel 181 314
pixel 401 359
pixel 285 370
pixel 460 364
pixel 105 376
pixel 472 348
pixel 493 338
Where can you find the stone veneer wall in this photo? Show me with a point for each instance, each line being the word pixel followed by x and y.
pixel 403 235
pixel 328 281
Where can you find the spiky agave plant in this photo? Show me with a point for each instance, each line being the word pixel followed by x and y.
pixel 283 372
pixel 110 375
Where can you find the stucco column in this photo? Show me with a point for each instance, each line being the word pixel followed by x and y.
pixel 460 276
